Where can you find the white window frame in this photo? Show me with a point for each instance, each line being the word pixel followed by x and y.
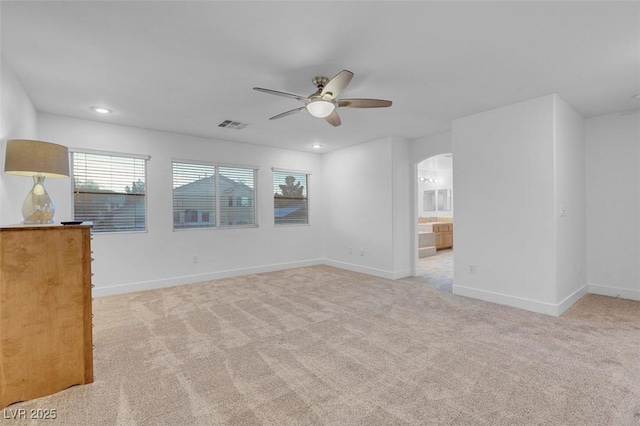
pixel 146 159
pixel 217 206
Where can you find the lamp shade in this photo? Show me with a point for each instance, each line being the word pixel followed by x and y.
pixel 29 157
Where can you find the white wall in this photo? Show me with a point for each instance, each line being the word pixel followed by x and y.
pixel 505 205
pixel 402 175
pixel 570 204
pixel 358 189
pixel 613 205
pixel 162 257
pixel 429 146
pixel 17 121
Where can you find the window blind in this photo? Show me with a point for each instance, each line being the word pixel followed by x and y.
pixel 207 196
pixel 194 195
pixel 110 191
pixel 237 196
pixel 290 197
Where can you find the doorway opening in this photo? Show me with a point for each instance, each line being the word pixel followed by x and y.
pixel 434 202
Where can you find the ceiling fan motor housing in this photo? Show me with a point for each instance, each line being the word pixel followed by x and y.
pixel 320 81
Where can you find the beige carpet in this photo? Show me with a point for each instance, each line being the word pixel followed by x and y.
pixel 320 345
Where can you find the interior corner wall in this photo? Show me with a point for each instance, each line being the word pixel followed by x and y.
pixel 505 235
pixel 613 204
pixel 358 189
pixel 162 257
pixel 402 176
pixel 570 204
pixel 17 121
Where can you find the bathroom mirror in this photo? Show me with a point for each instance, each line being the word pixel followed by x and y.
pixel 444 200
pixel 429 201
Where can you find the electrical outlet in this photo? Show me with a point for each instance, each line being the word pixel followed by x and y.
pixel 472 269
pixel 361 251
pixel 195 258
pixel 563 211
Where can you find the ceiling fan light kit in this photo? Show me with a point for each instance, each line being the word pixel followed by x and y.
pixel 324 102
pixel 320 108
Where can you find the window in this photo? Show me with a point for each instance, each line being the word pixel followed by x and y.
pixel 208 196
pixel 194 195
pixel 290 197
pixel 110 190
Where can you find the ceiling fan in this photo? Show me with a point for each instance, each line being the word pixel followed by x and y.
pixel 324 102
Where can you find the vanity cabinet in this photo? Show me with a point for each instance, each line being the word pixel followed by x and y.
pixel 444 235
pixel 45 310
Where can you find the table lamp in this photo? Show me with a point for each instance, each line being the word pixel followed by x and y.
pixel 41 160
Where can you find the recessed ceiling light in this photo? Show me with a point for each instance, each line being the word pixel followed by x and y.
pixel 316 146
pixel 101 110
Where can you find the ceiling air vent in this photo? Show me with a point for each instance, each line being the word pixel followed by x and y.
pixel 230 124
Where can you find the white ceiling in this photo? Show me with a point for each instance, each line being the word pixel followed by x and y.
pixel 184 67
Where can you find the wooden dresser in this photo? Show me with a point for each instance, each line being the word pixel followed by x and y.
pixel 444 235
pixel 45 310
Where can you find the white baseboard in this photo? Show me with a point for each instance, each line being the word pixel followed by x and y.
pixel 197 278
pixel 192 279
pixel 363 269
pixel 555 309
pixel 401 274
pixel 624 293
pixel 572 298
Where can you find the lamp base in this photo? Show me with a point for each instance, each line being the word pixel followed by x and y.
pixel 38 207
pixel 37 222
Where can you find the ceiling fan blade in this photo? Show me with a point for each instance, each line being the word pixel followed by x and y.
pixel 285 94
pixel 363 103
pixel 338 83
pixel 284 114
pixel 333 119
